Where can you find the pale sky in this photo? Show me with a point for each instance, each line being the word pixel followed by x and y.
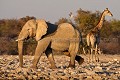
pixel 52 10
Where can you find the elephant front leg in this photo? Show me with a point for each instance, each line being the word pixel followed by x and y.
pixel 50 57
pixel 41 47
pixel 37 56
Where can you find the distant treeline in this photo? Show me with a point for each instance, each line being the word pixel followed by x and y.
pixel 84 21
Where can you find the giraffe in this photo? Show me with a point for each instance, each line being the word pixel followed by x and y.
pixel 93 37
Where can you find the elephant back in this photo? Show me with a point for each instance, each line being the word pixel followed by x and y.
pixel 62 37
pixel 65 30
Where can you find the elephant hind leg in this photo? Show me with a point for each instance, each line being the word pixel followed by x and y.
pixel 78 58
pixel 72 61
pixel 50 57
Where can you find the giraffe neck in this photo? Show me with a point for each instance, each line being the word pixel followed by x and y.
pixel 100 24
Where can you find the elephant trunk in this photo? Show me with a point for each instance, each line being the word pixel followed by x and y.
pixel 20 50
pixel 23 34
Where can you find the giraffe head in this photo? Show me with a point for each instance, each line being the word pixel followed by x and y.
pixel 107 12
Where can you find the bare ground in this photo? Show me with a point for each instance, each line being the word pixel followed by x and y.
pixel 107 69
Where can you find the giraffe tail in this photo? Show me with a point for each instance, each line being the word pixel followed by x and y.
pixel 88 40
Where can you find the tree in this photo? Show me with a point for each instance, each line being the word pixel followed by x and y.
pixel 86 20
pixel 115 26
pixel 62 20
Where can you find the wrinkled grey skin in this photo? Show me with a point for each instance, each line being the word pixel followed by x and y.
pixel 47 34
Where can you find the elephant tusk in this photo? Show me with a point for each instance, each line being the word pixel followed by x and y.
pixel 16 40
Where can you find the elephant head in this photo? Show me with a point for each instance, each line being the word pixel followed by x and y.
pixel 32 28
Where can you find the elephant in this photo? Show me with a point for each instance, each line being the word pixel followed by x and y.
pixel 46 34
pixel 33 29
pixel 65 39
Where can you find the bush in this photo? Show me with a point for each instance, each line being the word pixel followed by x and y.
pixel 110 46
pixel 84 20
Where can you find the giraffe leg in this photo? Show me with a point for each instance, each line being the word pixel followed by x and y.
pixel 91 54
pixel 96 54
pixel 99 51
pixel 84 51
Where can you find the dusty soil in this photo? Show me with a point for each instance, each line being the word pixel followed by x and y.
pixel 107 69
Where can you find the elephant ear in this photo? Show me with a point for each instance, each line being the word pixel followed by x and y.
pixel 41 29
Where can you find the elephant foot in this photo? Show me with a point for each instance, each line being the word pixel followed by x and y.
pixel 21 66
pixel 72 66
pixel 79 59
pixel 53 67
pixel 34 67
